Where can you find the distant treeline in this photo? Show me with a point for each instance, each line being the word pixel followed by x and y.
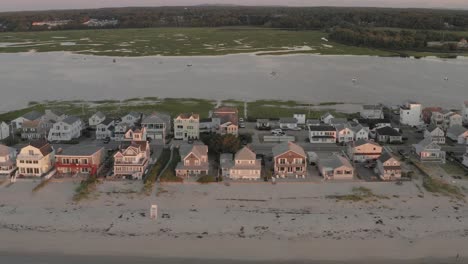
pixel 217 16
pixel 392 39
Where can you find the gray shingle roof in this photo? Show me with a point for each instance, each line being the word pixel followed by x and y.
pixel 71 120
pixel 79 150
pixel 288 120
pixel 387 131
pixel 322 128
pixel 157 118
pixel 456 130
pixel 33 115
pixel 361 142
pixel 335 161
pixel 100 114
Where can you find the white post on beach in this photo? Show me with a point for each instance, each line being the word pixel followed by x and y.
pixel 154 211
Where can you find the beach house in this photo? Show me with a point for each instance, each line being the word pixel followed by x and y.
pixel 301 118
pixel 131 162
pixel 79 160
pixel 388 167
pixel 435 133
pixel 360 132
pixel 336 167
pixel 7 160
pixel 135 134
pixel 364 150
pixel 96 119
pixel 105 129
pixel 372 112
pixel 228 120
pixel 245 165
pixel 344 133
pixel 30 116
pixel 322 134
pixel 458 134
pixel 120 130
pixel 66 130
pixel 326 118
pixel 411 114
pixel 289 160
pixel 388 135
pixel 132 118
pixel 4 130
pixel 187 126
pixel 35 129
pixel 428 151
pixel 36 159
pixel 288 123
pixel 194 160
pixel 157 125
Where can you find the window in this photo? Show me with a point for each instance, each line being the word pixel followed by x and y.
pixel 282 161
pixel 31 152
pixel 84 161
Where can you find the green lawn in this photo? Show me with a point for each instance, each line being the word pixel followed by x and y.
pixel 179 42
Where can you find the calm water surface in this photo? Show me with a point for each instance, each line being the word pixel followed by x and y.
pixel 49 76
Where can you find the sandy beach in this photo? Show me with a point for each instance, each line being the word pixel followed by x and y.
pixel 248 222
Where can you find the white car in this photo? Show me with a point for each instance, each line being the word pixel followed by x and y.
pixel 277 131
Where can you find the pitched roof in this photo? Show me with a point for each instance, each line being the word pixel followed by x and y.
pixel 432 127
pixel 288 120
pixel 140 144
pixel 134 114
pixel 44 147
pixel 100 114
pixel 340 127
pixel 327 114
pixel 188 115
pixel 225 109
pixel 361 142
pixel 456 130
pixel 198 150
pixel 424 144
pixel 313 121
pixel 71 120
pixel 33 115
pixel 358 128
pixel 245 154
pixel 77 150
pixel 372 107
pixel 387 131
pixel 337 121
pixel 335 161
pixel 5 150
pixel 287 146
pixel 157 118
pixel 385 157
pixel 107 121
pixel 322 128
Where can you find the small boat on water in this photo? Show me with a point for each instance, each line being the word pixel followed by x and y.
pixel 445 78
pixel 354 80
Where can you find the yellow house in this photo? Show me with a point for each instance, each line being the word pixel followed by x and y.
pixel 36 159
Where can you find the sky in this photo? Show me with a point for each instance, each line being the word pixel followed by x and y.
pixel 15 5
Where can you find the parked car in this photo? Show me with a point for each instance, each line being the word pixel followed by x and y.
pixel 241 120
pixel 277 131
pixel 241 124
pixel 106 140
pixel 296 128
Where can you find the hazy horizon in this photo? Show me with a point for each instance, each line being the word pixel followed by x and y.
pixel 19 5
